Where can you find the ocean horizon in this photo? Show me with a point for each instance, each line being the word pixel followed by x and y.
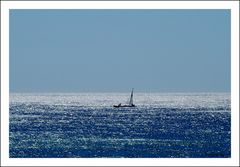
pixel 86 125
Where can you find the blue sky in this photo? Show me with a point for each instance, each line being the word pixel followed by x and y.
pixel 115 50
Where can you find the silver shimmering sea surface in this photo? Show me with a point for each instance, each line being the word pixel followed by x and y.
pixel 163 125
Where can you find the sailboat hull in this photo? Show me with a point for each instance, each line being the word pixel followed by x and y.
pixel 117 106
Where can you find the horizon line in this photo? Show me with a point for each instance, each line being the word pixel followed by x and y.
pixel 70 92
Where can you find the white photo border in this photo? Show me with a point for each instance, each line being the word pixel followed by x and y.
pixel 6 6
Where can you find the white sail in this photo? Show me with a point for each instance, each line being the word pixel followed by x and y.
pixel 131 98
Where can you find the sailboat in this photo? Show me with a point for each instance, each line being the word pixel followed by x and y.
pixel 129 103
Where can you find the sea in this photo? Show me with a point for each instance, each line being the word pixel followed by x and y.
pixel 86 125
